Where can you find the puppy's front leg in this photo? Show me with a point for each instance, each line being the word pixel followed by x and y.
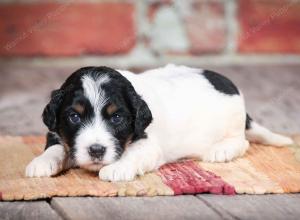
pixel 138 158
pixel 52 161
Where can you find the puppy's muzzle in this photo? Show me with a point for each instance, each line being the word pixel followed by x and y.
pixel 96 151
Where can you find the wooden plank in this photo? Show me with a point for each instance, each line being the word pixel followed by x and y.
pixel 280 206
pixel 175 207
pixel 27 210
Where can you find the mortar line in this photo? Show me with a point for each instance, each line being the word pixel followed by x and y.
pixel 232 26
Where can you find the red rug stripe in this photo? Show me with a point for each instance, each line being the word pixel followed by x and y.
pixel 187 177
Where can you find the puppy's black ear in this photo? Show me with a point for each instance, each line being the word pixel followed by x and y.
pixel 51 110
pixel 143 118
pixel 141 112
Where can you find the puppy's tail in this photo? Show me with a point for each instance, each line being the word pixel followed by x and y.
pixel 259 134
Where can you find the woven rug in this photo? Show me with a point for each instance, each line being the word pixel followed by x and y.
pixel 262 170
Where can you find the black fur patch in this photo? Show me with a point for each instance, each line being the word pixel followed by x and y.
pixel 121 92
pixel 221 83
pixel 52 139
pixel 52 108
pixel 248 122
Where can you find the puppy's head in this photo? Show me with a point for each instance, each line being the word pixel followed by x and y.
pixel 97 113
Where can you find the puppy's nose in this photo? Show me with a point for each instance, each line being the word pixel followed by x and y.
pixel 96 150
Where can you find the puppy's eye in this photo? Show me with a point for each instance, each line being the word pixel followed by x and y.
pixel 74 118
pixel 116 119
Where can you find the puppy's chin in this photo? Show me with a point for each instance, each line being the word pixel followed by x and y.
pixel 92 167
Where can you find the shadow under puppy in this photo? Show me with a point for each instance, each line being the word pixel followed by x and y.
pixel 122 124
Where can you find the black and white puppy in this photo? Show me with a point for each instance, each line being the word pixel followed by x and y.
pixel 122 124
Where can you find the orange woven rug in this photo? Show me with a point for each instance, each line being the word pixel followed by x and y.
pixel 261 170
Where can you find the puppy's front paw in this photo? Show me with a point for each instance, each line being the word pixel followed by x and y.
pixel 43 166
pixel 117 172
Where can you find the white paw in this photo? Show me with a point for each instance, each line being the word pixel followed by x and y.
pixel 219 155
pixel 43 166
pixel 225 153
pixel 117 172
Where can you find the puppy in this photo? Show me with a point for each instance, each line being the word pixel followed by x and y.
pixel 122 124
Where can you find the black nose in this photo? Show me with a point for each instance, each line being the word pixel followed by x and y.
pixel 96 150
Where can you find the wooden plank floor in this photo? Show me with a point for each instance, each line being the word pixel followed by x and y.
pixel 134 208
pixel 27 210
pixel 250 207
pixel 272 98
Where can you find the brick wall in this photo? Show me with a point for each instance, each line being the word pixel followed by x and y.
pixel 151 32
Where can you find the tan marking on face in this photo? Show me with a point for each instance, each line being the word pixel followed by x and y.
pixel 128 141
pixel 79 108
pixel 112 108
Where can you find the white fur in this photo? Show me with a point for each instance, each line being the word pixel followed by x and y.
pixel 190 118
pixel 260 134
pixel 91 90
pixel 140 157
pixel 50 163
pixel 189 115
pixel 95 131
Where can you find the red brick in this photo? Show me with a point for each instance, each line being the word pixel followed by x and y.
pixel 269 26
pixel 206 27
pixel 54 29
